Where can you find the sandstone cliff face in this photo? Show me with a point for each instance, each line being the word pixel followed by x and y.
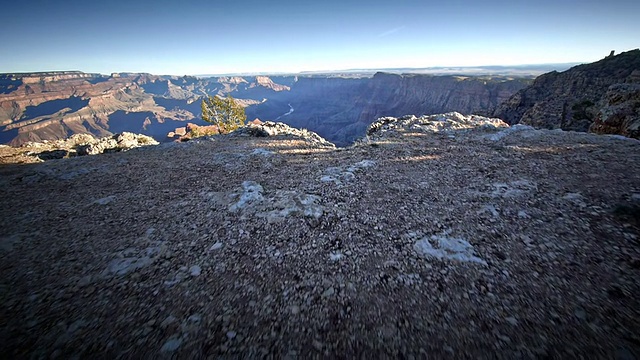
pixel 571 100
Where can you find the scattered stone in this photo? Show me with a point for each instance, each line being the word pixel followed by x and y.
pixel 513 189
pixel 317 345
pixel 443 247
pixel 329 292
pixel 262 152
pixel 251 193
pixel 168 321
pixel 523 215
pixel 171 345
pixel 195 270
pixel 295 310
pixel 575 198
pixel 512 320
pixel 517 128
pixel 252 202
pixel 217 246
pixel 105 200
pixel 123 266
pixel 341 175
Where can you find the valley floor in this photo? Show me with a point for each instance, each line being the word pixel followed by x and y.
pixel 456 245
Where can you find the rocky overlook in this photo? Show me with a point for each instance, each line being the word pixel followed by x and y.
pixel 437 236
pixel 601 97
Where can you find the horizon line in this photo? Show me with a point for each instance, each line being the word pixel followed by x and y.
pixel 307 72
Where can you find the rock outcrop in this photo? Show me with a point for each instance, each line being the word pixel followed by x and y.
pixel 266 82
pixel 576 98
pixel 76 145
pixel 282 130
pixel 388 127
pixel 620 113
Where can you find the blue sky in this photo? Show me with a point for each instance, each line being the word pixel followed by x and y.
pixel 211 37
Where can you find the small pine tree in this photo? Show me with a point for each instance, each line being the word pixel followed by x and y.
pixel 223 112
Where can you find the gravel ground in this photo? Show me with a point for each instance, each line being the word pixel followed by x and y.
pixel 458 244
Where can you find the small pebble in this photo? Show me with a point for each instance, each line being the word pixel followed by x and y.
pixel 171 345
pixel 195 270
pixel 216 246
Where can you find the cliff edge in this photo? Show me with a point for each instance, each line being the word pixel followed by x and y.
pixel 443 236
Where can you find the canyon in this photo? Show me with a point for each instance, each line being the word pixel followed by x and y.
pixel 601 97
pixel 56 105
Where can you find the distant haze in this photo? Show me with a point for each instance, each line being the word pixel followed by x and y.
pixel 207 37
pixel 501 70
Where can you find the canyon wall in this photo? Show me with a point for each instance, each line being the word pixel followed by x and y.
pixel 56 105
pixel 600 97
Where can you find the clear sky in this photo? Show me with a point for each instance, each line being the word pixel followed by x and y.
pixel 210 37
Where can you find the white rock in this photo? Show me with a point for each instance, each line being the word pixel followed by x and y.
pixel 217 246
pixel 262 152
pixel 195 270
pixel 510 130
pixel 329 292
pixel 442 247
pixel 171 345
pixel 512 320
pixel 251 193
pixel 105 200
pixel 523 215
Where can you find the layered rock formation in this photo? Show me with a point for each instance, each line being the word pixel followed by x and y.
pixel 76 145
pixel 340 109
pixel 574 99
pixel 56 105
pixel 59 105
pixel 47 106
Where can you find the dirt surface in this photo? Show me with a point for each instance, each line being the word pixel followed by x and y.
pixel 459 244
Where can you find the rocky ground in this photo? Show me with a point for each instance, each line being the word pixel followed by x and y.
pixel 462 241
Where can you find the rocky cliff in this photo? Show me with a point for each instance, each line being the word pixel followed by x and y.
pixel 59 105
pixel 340 109
pixel 576 98
pixel 443 236
pixel 49 106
